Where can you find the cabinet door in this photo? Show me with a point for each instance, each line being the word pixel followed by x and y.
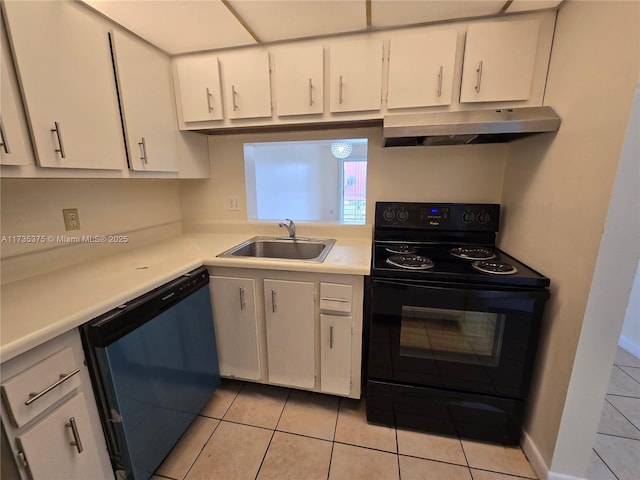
pixel 144 85
pixel 498 61
pixel 63 61
pixel 235 321
pixel 299 80
pixel 290 332
pixel 199 85
pixel 15 148
pixel 62 445
pixel 246 84
pixel 421 68
pixel 355 69
pixel 335 354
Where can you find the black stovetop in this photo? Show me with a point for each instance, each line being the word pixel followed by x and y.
pixel 434 229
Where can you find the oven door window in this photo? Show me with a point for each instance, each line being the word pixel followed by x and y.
pixel 453 335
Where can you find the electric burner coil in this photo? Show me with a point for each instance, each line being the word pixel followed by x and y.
pixel 495 268
pixel 410 261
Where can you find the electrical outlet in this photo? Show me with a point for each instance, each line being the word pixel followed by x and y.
pixel 71 218
pixel 233 203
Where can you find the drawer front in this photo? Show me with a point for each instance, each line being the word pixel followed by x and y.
pixel 335 297
pixel 37 388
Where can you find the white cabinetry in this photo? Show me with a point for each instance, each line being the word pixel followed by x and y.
pixel 62 443
pixel 198 82
pixel 296 329
pixel 421 68
pixel 15 148
pixel 246 84
pixel 336 330
pixel 355 69
pixel 290 332
pixel 144 85
pixel 499 61
pixel 49 414
pixel 63 61
pixel 299 80
pixel 236 325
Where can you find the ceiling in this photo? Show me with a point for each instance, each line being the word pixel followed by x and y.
pixel 180 26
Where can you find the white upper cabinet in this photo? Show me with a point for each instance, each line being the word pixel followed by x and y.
pixel 499 60
pixel 299 80
pixel 199 87
pixel 246 84
pixel 144 85
pixel 63 61
pixel 15 147
pixel 421 68
pixel 355 69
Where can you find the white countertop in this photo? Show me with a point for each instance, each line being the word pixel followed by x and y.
pixel 40 308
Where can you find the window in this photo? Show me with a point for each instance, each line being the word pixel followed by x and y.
pixel 312 181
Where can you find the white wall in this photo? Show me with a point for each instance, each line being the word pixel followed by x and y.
pixel 467 173
pixel 143 209
pixel 557 192
pixel 630 335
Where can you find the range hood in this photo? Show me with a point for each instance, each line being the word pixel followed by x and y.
pixel 468 127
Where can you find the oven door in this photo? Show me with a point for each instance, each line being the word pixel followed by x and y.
pixel 462 337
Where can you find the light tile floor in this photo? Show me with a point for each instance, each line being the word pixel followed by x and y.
pixel 252 431
pixel 616 454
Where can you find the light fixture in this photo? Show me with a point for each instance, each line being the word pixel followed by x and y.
pixel 341 149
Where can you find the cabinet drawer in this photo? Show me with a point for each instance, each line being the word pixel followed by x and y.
pixel 37 388
pixel 335 297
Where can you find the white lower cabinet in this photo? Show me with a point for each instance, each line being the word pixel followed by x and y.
pixel 295 329
pixel 49 416
pixel 335 353
pixel 290 326
pixel 234 317
pixel 62 442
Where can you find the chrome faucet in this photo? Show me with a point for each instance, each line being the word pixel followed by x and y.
pixel 290 226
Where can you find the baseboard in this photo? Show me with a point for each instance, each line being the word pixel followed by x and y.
pixel 535 459
pixel 539 465
pixel 629 345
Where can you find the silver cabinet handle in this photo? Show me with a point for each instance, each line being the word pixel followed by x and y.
pixel 3 139
pixel 209 96
pixel 273 301
pixel 242 301
pixel 310 93
pixel 143 151
pixel 63 378
pixel 76 435
pixel 331 336
pixel 440 81
pixel 479 72
pixel 340 91
pixel 334 299
pixel 56 129
pixel 234 93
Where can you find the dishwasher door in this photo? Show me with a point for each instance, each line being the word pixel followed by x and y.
pixel 154 366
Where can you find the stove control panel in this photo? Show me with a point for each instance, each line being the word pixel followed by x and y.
pixel 483 217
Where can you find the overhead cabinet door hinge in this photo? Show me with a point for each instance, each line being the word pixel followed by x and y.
pixel 22 459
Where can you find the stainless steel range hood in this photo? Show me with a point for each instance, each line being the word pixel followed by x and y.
pixel 468 127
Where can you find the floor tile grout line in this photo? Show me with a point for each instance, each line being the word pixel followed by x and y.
pixel 395 431
pixel 606 464
pixel 623 415
pixel 514 475
pixel 623 396
pixel 273 433
pixel 201 450
pixel 618 436
pixel 627 374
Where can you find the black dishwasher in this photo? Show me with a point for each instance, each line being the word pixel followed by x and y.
pixel 153 365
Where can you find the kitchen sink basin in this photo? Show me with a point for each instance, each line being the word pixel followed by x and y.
pixel 283 248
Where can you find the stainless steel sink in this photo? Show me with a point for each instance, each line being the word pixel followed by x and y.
pixel 283 248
